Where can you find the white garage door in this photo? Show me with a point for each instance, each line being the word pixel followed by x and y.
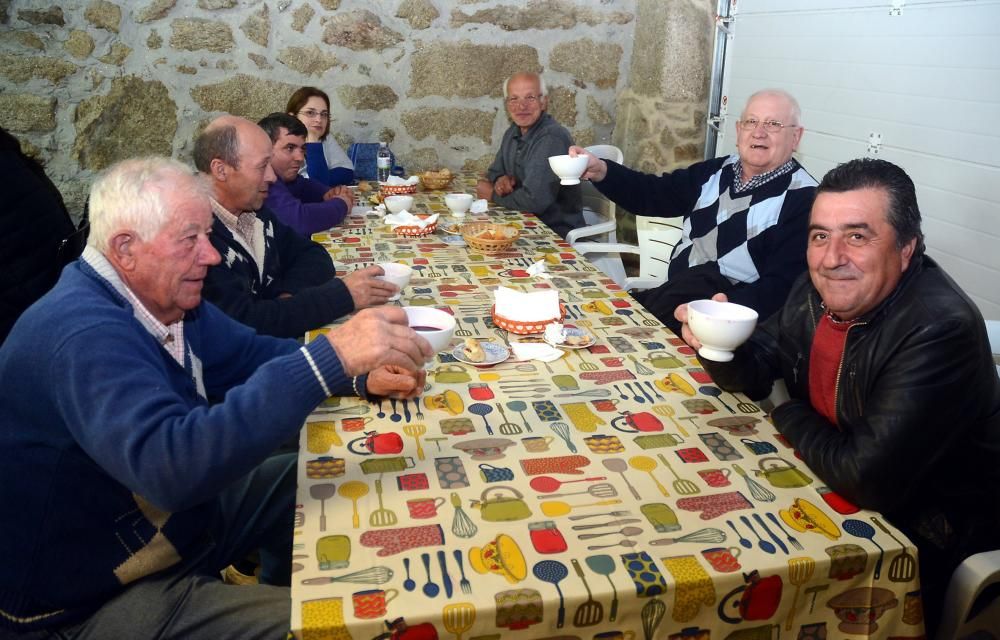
pixel 915 83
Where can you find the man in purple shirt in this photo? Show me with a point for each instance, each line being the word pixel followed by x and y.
pixel 304 204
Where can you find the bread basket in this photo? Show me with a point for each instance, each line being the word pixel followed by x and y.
pixel 397 189
pixel 436 180
pixel 522 327
pixel 489 237
pixel 414 231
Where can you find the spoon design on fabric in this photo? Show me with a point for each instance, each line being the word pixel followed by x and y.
pixel 764 545
pixel 395 417
pixel 635 396
pixel 409 584
pixel 624 543
pixel 381 411
pixel 430 588
pixel 624 531
pixel 747 544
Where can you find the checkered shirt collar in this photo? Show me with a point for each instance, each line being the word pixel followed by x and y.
pixel 242 224
pixel 171 337
pixel 756 181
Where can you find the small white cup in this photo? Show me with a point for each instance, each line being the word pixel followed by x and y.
pixel 569 169
pixel 458 203
pixel 720 327
pixel 432 324
pixel 397 274
pixel 395 204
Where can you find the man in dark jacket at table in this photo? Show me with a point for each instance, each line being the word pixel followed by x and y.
pixel 745 215
pixel 270 278
pixel 520 177
pixel 895 401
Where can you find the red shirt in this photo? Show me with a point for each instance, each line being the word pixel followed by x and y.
pixel 824 365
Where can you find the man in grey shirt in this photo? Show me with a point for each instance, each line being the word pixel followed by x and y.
pixel 520 177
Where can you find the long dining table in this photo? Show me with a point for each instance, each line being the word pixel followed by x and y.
pixel 614 493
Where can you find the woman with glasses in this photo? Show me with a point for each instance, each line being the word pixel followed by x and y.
pixel 325 160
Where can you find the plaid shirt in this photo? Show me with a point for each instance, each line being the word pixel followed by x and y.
pixel 756 181
pixel 247 229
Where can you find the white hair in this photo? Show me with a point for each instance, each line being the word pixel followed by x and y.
pixel 541 82
pixel 780 93
pixel 138 195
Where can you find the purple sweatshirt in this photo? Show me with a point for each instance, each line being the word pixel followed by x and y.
pixel 300 205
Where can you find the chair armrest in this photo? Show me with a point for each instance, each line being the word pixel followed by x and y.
pixel 591 230
pixel 642 283
pixel 605 247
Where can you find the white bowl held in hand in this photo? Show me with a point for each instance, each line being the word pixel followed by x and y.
pixel 397 274
pixel 432 324
pixel 568 169
pixel 395 204
pixel 720 326
pixel 458 203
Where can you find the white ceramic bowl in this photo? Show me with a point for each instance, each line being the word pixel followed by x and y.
pixel 568 169
pixel 458 203
pixel 395 204
pixel 434 325
pixel 397 274
pixel 720 326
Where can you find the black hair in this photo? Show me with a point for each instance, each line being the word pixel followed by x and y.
pixel 273 124
pixel 871 173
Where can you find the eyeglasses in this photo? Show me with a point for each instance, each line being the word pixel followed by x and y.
pixel 528 100
pixel 312 113
pixel 771 126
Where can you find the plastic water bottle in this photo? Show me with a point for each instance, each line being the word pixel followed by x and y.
pixel 384 162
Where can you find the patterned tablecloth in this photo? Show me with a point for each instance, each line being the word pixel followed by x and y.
pixel 613 493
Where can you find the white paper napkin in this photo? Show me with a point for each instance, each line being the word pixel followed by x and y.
pixel 526 307
pixel 535 351
pixel 538 269
pixel 406 219
pixel 396 181
pixel 478 206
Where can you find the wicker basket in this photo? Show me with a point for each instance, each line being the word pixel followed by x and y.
pixel 397 189
pixel 436 180
pixel 415 231
pixel 472 234
pixel 523 328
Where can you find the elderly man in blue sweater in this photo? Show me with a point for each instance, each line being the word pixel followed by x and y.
pixel 123 491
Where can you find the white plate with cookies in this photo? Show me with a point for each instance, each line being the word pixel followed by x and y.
pixel 481 353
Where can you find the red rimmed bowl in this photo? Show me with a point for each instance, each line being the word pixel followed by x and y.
pixel 521 327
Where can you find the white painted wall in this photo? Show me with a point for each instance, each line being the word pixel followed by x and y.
pixel 925 76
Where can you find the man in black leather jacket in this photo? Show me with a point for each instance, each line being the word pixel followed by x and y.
pixel 895 401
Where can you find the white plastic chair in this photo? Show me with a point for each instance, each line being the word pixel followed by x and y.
pixel 969 581
pixel 600 216
pixel 657 237
pixel 993 331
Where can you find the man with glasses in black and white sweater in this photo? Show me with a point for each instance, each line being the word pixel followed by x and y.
pixel 745 215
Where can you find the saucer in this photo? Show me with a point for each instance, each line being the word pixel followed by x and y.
pixel 577 333
pixel 455 241
pixel 804 516
pixel 494 354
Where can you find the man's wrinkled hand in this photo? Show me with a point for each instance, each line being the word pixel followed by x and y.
pixel 681 315
pixel 484 189
pixel 596 169
pixel 505 185
pixel 396 382
pixel 376 338
pixel 366 289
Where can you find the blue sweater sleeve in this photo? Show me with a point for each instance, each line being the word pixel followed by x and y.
pixel 300 205
pixel 316 163
pixel 667 195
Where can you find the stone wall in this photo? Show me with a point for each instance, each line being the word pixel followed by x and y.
pixel 88 82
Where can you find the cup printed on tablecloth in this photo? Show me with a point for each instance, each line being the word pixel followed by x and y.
pixel 715 477
pixel 605 405
pixel 723 559
pixel 412 482
pixel 372 603
pixel 424 507
pixel 537 444
pixel 355 423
